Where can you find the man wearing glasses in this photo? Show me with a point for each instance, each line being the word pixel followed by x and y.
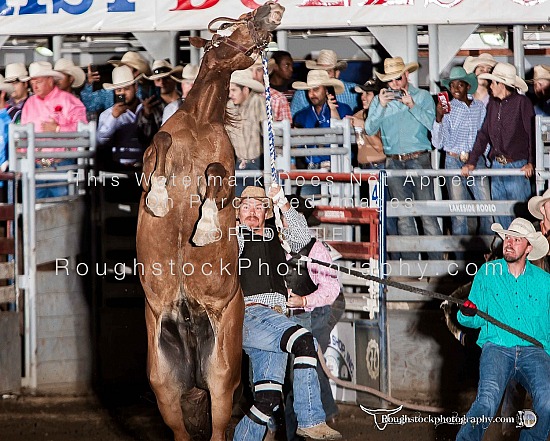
pixel 403 114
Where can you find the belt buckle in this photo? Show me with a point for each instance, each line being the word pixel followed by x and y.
pixel 46 162
pixel 501 159
pixel 464 156
pixel 312 166
pixel 278 308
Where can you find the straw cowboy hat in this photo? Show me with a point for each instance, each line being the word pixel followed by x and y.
pixel 505 73
pixel 316 78
pixel 133 60
pixel 372 85
pixel 470 63
pixel 16 72
pixel 67 66
pixel 258 193
pixel 394 68
pixel 523 228
pixel 43 69
pixel 6 87
pixel 326 60
pixel 459 73
pixel 270 64
pixel 122 77
pixel 189 72
pixel 162 69
pixel 540 72
pixel 244 78
pixel 536 202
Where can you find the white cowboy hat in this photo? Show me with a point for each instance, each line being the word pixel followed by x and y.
pixel 506 73
pixel 190 72
pixel 395 68
pixel 316 78
pixel 540 72
pixel 67 66
pixel 523 228
pixel 16 72
pixel 244 78
pixel 535 203
pixel 326 60
pixel 6 87
pixel 43 69
pixel 122 77
pixel 162 69
pixel 470 63
pixel 133 60
pixel 258 193
pixel 270 64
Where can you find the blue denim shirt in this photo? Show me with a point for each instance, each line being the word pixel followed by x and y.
pixel 403 130
pixel 522 303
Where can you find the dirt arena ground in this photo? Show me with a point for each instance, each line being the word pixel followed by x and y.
pixel 55 418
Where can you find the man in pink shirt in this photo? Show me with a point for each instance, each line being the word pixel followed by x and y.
pixel 51 110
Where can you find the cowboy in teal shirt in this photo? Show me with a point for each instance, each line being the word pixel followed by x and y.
pixel 517 293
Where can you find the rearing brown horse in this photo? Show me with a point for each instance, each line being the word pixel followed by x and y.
pixel 194 309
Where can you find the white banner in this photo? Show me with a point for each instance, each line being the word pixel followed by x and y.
pixel 89 16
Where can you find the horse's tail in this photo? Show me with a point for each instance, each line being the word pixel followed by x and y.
pixel 195 405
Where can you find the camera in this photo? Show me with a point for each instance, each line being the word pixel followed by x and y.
pixel 120 98
pixel 397 94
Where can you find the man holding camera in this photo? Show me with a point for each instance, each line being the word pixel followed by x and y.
pixel 403 114
pixel 121 133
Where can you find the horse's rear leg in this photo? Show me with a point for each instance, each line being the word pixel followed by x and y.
pixel 224 373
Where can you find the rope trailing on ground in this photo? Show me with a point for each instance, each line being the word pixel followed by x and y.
pixel 424 292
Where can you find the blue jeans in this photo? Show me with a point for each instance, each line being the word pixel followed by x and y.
pixel 471 188
pixel 53 192
pixel 509 188
pixel 402 189
pixel 262 331
pixel 527 364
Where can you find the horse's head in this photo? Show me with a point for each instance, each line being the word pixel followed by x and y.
pixel 237 43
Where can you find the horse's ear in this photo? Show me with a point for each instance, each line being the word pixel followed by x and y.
pixel 197 42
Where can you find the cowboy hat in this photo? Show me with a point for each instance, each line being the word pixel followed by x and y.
pixel 316 78
pixel 258 193
pixel 189 72
pixel 459 73
pixel 6 87
pixel 67 66
pixel 540 72
pixel 505 73
pixel 395 68
pixel 470 63
pixel 523 228
pixel 244 78
pixel 162 69
pixel 122 77
pixel 16 72
pixel 326 60
pixel 372 85
pixel 133 60
pixel 536 202
pixel 270 64
pixel 43 69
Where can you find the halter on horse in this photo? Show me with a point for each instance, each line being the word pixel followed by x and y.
pixel 194 307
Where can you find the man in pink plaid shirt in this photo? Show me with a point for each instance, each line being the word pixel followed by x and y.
pixel 279 103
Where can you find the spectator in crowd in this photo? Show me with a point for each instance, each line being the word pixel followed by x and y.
pixel 73 76
pixel 321 91
pixel 18 77
pixel 508 128
pixel 541 85
pixel 281 76
pixel 483 64
pixel 320 287
pixel 370 151
pixel 403 114
pixel 539 207
pixel 188 75
pixel 327 61
pixel 51 110
pixel 6 89
pixel 246 113
pixel 99 100
pixel 455 132
pixel 279 104
pixel 268 335
pixel 121 137
pixel 517 293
